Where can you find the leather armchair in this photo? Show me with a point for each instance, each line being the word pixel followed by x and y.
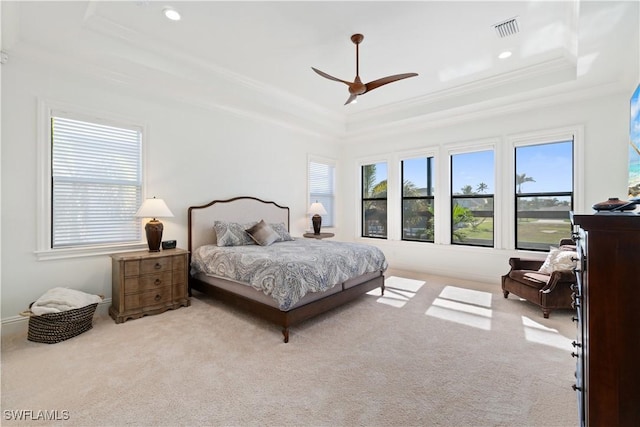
pixel 548 291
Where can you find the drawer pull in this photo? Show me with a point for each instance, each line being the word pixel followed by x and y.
pixel 576 344
pixel 574 319
pixel 574 354
pixel 576 388
pixel 157 282
pixel 158 298
pixel 158 266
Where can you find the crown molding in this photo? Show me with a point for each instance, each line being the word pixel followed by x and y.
pixel 560 69
pixel 261 99
pixel 519 103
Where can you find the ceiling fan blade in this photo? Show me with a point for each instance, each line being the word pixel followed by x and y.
pixel 389 79
pixel 330 77
pixel 352 98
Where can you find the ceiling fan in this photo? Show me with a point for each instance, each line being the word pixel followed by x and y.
pixel 356 87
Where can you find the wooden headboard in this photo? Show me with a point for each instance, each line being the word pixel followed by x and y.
pixel 239 209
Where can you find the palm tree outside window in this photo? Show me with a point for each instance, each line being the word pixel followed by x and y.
pixel 374 200
pixel 544 194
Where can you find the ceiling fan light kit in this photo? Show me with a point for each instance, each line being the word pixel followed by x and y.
pixel 357 88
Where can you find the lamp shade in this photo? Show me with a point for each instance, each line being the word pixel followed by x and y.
pixel 154 208
pixel 317 209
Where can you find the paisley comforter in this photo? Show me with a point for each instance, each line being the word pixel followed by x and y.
pixel 289 270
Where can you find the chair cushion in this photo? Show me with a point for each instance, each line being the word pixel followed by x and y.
pixel 529 278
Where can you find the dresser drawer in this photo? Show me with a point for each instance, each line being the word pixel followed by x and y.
pixel 144 283
pixel 146 266
pixel 179 262
pixel 147 298
pixel 179 276
pixel 179 291
pixel 155 265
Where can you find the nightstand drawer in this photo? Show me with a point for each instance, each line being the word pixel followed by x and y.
pixel 179 276
pixel 146 266
pixel 179 291
pixel 148 298
pixel 155 265
pixel 143 283
pixel 179 262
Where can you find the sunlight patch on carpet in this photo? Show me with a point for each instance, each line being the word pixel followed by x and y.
pixel 398 291
pixel 537 333
pixel 464 306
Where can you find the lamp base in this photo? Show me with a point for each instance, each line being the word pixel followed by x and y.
pixel 154 234
pixel 317 223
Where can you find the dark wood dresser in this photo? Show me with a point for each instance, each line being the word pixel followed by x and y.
pixel 607 300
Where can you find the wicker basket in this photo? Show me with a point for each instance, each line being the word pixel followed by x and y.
pixel 52 328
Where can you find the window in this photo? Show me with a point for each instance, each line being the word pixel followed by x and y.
pixel 543 194
pixel 472 188
pixel 322 188
pixel 374 200
pixel 417 199
pixel 96 182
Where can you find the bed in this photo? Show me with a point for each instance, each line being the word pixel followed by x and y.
pixel 256 285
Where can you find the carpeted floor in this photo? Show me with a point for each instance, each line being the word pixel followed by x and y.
pixel 432 352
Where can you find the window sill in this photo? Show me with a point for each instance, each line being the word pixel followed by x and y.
pixel 51 254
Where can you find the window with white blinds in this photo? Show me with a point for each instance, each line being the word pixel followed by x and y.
pixel 96 183
pixel 321 188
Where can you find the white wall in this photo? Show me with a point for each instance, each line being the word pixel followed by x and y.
pixel 194 155
pixel 198 151
pixel 604 120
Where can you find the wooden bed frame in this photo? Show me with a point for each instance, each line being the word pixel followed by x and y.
pixel 246 209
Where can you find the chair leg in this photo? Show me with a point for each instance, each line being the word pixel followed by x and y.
pixel 545 312
pixel 506 294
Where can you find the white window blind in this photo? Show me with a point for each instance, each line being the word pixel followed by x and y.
pixel 321 189
pixel 96 172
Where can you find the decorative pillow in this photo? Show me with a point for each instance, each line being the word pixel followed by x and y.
pixel 232 233
pixel 281 230
pixel 558 259
pixel 263 234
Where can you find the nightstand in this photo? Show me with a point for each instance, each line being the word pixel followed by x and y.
pixel 318 236
pixel 145 283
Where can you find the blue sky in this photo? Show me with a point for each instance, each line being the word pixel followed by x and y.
pixel 550 165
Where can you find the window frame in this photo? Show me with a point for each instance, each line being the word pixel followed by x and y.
pixel 561 136
pixel 469 148
pixel 362 200
pixel 310 198
pixel 44 204
pixel 431 178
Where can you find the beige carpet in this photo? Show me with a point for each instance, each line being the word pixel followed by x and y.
pixel 433 352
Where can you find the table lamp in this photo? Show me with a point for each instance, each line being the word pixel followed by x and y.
pixel 154 208
pixel 316 209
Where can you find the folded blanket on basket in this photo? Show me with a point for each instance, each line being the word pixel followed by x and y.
pixel 57 300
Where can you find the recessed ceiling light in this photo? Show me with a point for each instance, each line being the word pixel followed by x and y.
pixel 504 54
pixel 171 13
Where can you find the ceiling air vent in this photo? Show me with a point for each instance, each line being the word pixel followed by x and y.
pixel 507 28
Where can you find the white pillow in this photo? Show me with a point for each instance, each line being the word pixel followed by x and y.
pixel 559 259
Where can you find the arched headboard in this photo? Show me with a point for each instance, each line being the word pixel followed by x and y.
pixel 239 209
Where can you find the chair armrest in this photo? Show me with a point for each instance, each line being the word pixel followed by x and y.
pixel 525 264
pixel 559 276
